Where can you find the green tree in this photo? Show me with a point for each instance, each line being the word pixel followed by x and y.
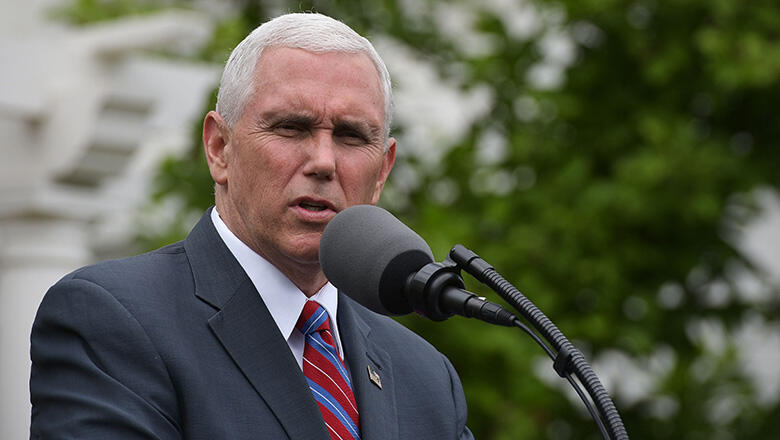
pixel 602 177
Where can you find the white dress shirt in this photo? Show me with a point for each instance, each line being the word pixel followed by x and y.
pixel 284 300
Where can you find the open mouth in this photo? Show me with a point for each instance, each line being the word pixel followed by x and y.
pixel 311 206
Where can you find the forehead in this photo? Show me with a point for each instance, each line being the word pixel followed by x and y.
pixel 343 81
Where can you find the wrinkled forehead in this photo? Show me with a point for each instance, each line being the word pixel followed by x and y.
pixel 271 54
pixel 285 68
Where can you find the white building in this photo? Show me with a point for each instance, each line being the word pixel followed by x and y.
pixel 86 114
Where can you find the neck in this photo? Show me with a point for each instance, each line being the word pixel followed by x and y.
pixel 304 274
pixel 307 283
pixel 306 277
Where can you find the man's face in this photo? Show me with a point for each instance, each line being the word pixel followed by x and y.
pixel 310 143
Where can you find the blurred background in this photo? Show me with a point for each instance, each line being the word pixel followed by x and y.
pixel 616 160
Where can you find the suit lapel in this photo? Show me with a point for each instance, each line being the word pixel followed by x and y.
pixel 249 334
pixel 378 417
pixel 245 328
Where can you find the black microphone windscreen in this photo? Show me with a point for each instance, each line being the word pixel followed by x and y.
pixel 368 254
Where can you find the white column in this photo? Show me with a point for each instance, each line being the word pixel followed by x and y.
pixel 34 254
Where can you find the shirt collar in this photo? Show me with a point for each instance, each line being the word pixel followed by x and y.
pixel 284 299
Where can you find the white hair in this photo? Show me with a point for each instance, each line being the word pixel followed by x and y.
pixel 308 31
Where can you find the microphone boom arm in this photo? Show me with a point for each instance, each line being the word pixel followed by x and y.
pixel 568 358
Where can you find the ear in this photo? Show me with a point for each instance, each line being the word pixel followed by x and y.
pixel 216 138
pixel 387 164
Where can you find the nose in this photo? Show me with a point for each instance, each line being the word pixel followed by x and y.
pixel 321 160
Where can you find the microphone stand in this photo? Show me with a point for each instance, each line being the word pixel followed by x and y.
pixel 567 359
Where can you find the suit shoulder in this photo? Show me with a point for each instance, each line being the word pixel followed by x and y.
pixel 149 272
pixel 149 262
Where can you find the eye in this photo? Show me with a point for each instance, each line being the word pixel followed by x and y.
pixel 289 129
pixel 350 137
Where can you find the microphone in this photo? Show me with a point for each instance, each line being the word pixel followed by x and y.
pixel 385 266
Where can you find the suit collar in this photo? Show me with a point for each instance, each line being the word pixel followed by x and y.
pixel 377 405
pixel 248 333
pixel 216 272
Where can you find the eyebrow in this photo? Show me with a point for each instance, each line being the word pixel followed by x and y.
pixel 273 117
pixel 364 128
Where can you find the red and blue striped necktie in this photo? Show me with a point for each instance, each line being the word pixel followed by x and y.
pixel 326 374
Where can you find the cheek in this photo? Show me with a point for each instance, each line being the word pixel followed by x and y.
pixel 359 181
pixel 266 169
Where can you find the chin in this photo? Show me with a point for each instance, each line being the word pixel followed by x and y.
pixel 306 251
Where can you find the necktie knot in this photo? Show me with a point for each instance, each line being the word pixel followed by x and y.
pixel 314 318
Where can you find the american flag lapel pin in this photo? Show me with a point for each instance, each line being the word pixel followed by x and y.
pixel 373 376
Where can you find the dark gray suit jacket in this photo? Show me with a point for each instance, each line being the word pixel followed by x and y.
pixel 177 343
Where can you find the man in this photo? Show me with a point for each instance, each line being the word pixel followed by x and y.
pixel 209 338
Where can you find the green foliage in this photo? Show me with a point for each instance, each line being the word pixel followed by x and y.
pixel 82 12
pixel 618 183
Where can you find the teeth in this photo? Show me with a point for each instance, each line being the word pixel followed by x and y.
pixel 312 206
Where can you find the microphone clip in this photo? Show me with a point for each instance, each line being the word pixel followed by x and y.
pixel 427 286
